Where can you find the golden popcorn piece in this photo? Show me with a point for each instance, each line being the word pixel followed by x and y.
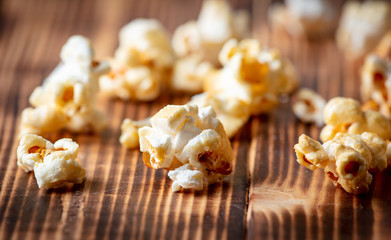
pixel 347 159
pixel 186 178
pixel 68 95
pixel 311 18
pixel 54 165
pixel 309 106
pixel 187 134
pixel 344 115
pixel 142 63
pixel 129 132
pixel 362 25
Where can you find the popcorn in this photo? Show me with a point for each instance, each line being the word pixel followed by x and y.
pixel 142 62
pixel 67 97
pixel 129 128
pixel 375 85
pixel 186 178
pixel 313 18
pixel 54 165
pixel 309 106
pixel 362 25
pixel 344 115
pixel 347 159
pixel 252 74
pixel 189 73
pixel 216 23
pixel 187 134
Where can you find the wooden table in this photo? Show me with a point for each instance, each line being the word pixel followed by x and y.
pixel 268 195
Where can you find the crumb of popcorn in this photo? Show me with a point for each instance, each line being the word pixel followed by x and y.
pixel 67 97
pixel 311 18
pixel 187 134
pixel 54 165
pixel 344 115
pixel 142 63
pixel 347 159
pixel 362 25
pixel 186 178
pixel 309 106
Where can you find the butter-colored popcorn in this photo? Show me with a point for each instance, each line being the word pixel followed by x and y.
pixel 186 178
pixel 189 73
pixel 187 135
pixel 67 97
pixel 54 165
pixel 344 115
pixel 312 18
pixel 362 25
pixel 142 63
pixel 253 74
pixel 309 106
pixel 347 159
pixel 129 132
pixel 216 24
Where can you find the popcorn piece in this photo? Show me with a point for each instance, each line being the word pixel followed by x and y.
pixel 375 85
pixel 190 135
pixel 309 106
pixel 68 95
pixel 347 159
pixel 54 165
pixel 362 25
pixel 313 18
pixel 189 73
pixel 129 136
pixel 345 116
pixel 216 23
pixel 185 177
pixel 142 62
pixel 252 74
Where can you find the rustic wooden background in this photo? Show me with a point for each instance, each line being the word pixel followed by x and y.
pixel 268 196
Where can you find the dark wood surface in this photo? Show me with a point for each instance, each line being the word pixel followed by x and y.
pixel 268 195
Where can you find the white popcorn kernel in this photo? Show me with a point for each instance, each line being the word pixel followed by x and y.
pixel 129 132
pixel 309 106
pixel 362 25
pixel 186 178
pixel 54 165
pixel 186 39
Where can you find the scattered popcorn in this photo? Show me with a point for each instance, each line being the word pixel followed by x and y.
pixel 67 97
pixel 129 128
pixel 54 165
pixel 312 18
pixel 142 62
pixel 216 23
pixel 347 159
pixel 309 106
pixel 362 25
pixel 375 85
pixel 185 177
pixel 344 115
pixel 189 73
pixel 190 135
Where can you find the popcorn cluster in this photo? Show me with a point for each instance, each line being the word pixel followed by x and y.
pixel 312 18
pixel 344 115
pixel 362 25
pixel 67 97
pixel 249 83
pixel 54 165
pixel 142 62
pixel 309 106
pixel 347 159
pixel 191 142
pixel 198 43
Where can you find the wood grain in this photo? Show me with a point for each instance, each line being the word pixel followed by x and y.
pixel 268 195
